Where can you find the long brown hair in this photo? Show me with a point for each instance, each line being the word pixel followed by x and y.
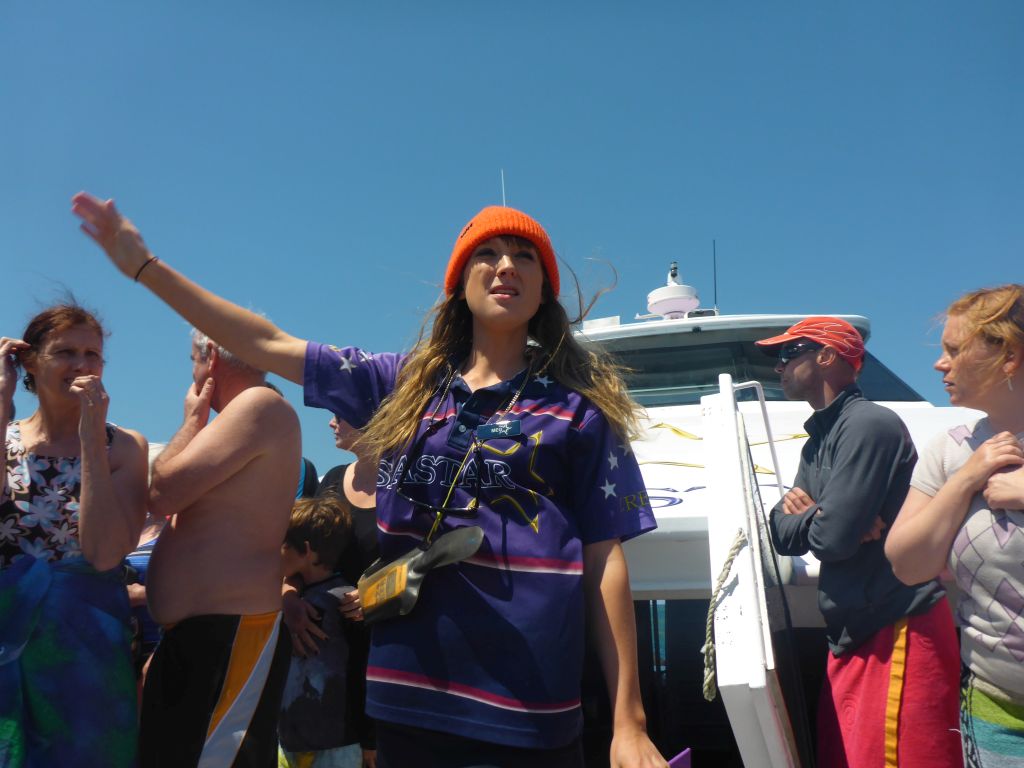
pixel 589 371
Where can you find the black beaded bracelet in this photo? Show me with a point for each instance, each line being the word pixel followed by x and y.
pixel 149 261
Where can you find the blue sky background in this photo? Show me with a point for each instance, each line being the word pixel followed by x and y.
pixel 316 159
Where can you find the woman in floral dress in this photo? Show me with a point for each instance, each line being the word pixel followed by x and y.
pixel 71 507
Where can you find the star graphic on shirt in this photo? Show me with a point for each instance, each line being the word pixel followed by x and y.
pixel 365 356
pixel 613 460
pixel 609 489
pixel 626 448
pixel 543 380
pixel 347 365
pixel 536 438
pixel 533 522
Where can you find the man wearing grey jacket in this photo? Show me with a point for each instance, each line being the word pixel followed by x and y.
pixel 890 690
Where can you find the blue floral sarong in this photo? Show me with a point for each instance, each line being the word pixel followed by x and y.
pixel 67 687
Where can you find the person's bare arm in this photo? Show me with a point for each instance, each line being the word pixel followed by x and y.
pixel 613 627
pixel 252 338
pixel 9 348
pixel 920 538
pixel 112 504
pixel 197 415
pixel 199 459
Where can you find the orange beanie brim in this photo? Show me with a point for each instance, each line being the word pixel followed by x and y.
pixel 496 221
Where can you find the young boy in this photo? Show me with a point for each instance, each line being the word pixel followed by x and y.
pixel 314 701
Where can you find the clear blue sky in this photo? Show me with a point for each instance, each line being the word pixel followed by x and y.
pixel 316 159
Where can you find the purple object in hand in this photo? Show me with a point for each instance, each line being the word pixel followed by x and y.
pixel 682 760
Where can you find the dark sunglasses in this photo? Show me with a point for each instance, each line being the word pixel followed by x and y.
pixel 794 349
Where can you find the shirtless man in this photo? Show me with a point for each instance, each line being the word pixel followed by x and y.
pixel 214 686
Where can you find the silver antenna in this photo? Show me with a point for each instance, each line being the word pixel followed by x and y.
pixel 714 267
pixel 503 205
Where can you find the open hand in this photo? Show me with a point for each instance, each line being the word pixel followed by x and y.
pixel 300 620
pixel 115 234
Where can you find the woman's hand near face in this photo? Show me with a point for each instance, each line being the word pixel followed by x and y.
pixel 94 401
pixel 999 451
pixel 8 383
pixel 8 373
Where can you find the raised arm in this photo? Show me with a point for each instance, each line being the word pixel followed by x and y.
pixel 252 338
pixel 922 535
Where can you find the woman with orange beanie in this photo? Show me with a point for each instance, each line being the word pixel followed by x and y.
pixel 503 451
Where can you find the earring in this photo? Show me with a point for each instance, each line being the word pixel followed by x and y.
pixel 1009 383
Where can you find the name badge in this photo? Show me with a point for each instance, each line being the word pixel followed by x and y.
pixel 507 428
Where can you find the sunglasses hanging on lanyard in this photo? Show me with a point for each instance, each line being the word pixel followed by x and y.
pixel 391 589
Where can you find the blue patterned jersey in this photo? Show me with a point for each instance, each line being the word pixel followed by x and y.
pixel 493 649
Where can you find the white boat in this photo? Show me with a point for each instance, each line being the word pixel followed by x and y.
pixel 720 442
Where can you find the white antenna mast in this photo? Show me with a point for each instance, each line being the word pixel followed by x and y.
pixel 503 204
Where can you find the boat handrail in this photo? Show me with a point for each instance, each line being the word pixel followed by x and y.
pixel 759 389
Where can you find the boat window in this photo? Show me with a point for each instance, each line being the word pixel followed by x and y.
pixel 666 373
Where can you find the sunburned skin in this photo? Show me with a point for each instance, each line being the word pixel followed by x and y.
pixel 221 553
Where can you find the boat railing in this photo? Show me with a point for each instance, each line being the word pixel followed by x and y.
pixel 741 650
pixel 759 390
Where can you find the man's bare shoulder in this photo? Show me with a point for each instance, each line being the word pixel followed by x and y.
pixel 264 405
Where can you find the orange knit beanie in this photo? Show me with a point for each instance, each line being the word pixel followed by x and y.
pixel 495 221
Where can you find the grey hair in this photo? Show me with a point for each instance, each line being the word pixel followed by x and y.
pixel 200 339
